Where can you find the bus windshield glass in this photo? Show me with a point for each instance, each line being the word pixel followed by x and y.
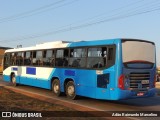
pixel 138 54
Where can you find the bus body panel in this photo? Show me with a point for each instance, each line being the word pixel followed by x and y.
pixel 104 93
pixel 85 83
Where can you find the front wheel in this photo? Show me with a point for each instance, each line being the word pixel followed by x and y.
pixel 56 87
pixel 70 90
pixel 13 80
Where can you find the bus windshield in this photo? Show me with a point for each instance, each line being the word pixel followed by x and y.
pixel 138 52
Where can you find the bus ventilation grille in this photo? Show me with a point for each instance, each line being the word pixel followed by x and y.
pixel 136 80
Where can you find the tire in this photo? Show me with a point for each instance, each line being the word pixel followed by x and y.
pixel 56 87
pixel 13 80
pixel 70 90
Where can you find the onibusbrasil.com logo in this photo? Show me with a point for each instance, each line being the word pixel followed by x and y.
pixel 21 114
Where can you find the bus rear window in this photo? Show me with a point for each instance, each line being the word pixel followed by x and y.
pixel 138 54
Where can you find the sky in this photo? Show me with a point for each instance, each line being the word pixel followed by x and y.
pixel 30 22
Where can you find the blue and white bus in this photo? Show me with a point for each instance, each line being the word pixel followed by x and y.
pixel 102 69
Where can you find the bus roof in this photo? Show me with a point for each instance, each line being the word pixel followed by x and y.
pixel 47 45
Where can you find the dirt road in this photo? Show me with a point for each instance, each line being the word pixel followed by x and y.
pixel 11 101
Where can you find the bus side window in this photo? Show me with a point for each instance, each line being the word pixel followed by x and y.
pixel 19 59
pixel 95 57
pixel 34 58
pixel 13 58
pixel 39 58
pixel 27 58
pixel 62 57
pixel 66 57
pixel 104 55
pixel 111 56
pixel 59 57
pixel 44 57
pixel 6 60
pixel 48 58
pixel 52 58
pixel 77 58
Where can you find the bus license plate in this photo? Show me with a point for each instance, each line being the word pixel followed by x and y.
pixel 145 81
pixel 140 94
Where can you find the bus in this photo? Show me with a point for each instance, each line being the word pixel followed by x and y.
pixel 110 69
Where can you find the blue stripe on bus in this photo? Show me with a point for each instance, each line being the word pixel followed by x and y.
pixel 69 73
pixel 14 68
pixel 31 70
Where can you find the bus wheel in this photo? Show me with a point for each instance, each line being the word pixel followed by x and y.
pixel 13 80
pixel 56 87
pixel 70 90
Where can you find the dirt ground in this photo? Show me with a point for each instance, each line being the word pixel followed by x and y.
pixel 11 101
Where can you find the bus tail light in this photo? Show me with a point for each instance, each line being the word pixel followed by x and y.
pixel 121 82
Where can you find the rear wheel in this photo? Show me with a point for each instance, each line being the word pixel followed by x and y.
pixel 56 87
pixel 70 90
pixel 13 80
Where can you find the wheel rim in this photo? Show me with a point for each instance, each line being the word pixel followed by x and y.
pixel 70 90
pixel 56 88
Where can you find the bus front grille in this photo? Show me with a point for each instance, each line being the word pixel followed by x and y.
pixel 139 80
